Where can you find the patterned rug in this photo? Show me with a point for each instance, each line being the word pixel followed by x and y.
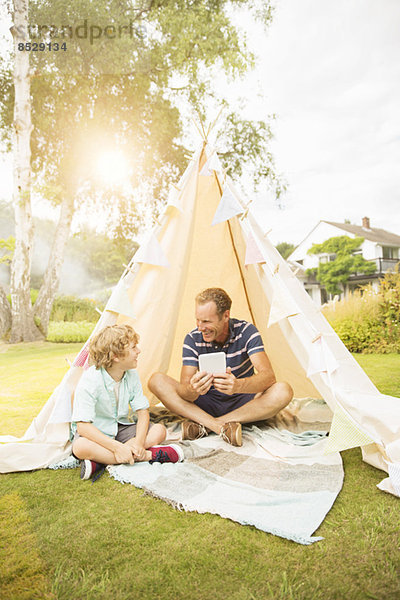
pixel 279 481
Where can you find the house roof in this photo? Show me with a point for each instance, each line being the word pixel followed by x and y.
pixel 374 234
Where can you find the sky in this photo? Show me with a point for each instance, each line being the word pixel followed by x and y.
pixel 330 71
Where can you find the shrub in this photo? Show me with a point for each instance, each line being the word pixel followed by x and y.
pixel 64 331
pixel 71 308
pixel 369 321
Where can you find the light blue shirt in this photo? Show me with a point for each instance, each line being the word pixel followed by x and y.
pixel 95 400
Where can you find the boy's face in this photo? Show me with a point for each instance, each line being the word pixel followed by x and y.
pixel 129 359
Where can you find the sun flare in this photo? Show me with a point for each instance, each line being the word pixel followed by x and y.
pixel 112 167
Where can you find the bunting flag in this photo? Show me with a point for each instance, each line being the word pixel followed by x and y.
pixel 151 253
pixel 394 474
pixel 344 434
pixel 253 253
pixel 82 357
pixel 227 208
pixel 119 301
pixel 174 198
pixel 321 358
pixel 282 305
pixel 212 164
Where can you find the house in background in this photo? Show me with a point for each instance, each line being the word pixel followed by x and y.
pixel 379 246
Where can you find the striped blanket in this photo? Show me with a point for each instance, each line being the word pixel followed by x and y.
pixel 278 481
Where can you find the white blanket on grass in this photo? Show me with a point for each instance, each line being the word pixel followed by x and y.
pixel 278 481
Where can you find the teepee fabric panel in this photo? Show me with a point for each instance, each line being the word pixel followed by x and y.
pixel 156 293
pixel 279 340
pixel 212 263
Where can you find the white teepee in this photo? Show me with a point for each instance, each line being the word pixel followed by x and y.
pixel 208 237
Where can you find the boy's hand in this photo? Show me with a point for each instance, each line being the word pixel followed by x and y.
pixel 137 448
pixel 123 454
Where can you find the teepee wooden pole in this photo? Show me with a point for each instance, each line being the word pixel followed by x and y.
pixel 237 257
pixel 212 125
pixel 198 128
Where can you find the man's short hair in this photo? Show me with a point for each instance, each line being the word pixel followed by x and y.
pixel 111 342
pixel 217 295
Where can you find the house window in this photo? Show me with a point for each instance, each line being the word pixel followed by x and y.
pixel 324 258
pixel 390 252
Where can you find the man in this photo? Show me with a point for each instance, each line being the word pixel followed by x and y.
pixel 221 402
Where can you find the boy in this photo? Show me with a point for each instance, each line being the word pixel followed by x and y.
pixel 103 396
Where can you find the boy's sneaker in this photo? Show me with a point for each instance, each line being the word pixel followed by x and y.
pixel 232 433
pixel 193 431
pixel 164 454
pixel 89 468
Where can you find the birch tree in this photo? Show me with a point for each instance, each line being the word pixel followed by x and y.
pixel 23 327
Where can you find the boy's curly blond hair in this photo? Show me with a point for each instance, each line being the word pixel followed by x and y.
pixel 112 341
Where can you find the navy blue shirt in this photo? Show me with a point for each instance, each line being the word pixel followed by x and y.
pixel 243 340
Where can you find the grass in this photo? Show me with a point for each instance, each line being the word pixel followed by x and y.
pixel 72 539
pixel 384 370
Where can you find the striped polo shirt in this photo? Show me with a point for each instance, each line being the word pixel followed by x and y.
pixel 243 340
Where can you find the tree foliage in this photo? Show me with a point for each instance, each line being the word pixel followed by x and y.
pixel 104 92
pixel 285 249
pixel 7 247
pixel 334 274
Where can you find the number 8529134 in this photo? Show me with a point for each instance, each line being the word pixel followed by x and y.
pixel 41 46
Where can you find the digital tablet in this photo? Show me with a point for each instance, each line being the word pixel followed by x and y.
pixel 213 363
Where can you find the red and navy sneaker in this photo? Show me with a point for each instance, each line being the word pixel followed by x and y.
pixel 90 467
pixel 163 454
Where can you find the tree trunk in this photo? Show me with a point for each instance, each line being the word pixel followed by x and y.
pixel 51 281
pixel 5 313
pixel 23 327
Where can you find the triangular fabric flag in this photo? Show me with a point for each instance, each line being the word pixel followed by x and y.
pixel 253 253
pixel 174 198
pixel 394 474
pixel 151 253
pixel 321 358
pixel 119 302
pixel 282 306
pixel 344 434
pixel 212 164
pixel 227 208
pixel 82 357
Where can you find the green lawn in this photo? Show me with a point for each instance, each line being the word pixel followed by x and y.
pixel 63 538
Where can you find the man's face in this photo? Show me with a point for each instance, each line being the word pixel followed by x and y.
pixel 213 327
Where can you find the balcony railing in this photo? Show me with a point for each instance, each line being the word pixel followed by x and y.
pixel 383 265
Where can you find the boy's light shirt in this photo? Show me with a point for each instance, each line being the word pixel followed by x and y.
pixel 95 400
